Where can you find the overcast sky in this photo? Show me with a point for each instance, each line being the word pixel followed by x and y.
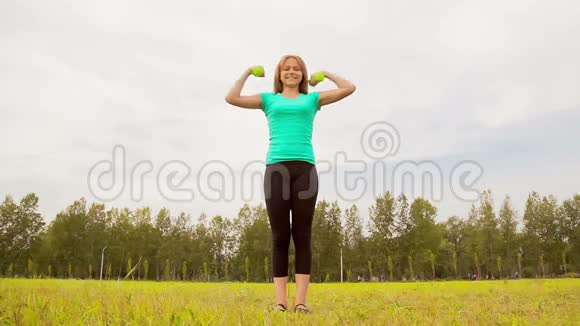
pixel 492 82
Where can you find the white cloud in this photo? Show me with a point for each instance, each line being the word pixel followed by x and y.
pixel 79 77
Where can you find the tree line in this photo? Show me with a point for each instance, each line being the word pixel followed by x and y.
pixel 401 240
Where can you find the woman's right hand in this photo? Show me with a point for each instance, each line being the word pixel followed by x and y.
pixel 257 71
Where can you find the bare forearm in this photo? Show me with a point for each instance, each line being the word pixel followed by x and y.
pixel 339 81
pixel 236 89
pixel 234 96
pixel 345 88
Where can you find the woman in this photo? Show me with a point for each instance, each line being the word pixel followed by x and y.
pixel 291 179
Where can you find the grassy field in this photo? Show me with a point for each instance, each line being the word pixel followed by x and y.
pixel 74 302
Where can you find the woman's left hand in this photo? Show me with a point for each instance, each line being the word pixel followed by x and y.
pixel 312 81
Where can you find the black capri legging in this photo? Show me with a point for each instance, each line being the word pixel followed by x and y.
pixel 291 186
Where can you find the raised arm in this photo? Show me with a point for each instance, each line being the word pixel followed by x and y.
pixel 247 102
pixel 345 88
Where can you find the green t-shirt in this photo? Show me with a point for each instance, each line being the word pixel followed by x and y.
pixel 290 122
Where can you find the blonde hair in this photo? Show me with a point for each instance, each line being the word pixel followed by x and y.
pixel 303 87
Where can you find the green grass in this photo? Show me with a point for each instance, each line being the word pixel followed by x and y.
pixel 74 302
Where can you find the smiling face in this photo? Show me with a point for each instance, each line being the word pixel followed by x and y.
pixel 291 73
